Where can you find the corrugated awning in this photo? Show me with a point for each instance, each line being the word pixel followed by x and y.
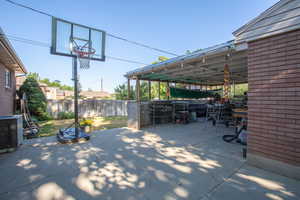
pixel 205 67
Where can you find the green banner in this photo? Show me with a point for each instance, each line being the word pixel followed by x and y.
pixel 192 94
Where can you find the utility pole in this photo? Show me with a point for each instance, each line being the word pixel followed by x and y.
pixel 101 84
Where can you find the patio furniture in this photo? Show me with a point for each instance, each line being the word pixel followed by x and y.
pixel 213 112
pixel 226 115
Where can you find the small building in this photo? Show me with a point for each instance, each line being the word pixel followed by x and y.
pixel 265 53
pixel 55 93
pixel 49 92
pixel 10 67
pixel 94 94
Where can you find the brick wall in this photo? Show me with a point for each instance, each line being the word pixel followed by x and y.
pixel 7 95
pixel 274 98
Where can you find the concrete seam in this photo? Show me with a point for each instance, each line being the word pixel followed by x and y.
pixel 221 183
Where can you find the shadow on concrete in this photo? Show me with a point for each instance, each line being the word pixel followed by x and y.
pixel 164 162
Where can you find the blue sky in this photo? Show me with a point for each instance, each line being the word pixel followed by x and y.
pixel 171 25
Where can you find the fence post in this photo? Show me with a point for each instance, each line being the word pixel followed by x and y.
pixel 128 89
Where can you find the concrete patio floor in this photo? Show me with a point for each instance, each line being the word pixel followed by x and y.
pixel 164 162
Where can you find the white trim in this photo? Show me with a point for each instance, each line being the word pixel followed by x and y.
pixel 8 79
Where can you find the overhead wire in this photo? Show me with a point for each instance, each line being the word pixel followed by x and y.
pixel 108 34
pixel 44 44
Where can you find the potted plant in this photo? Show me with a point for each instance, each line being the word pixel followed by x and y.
pixel 86 125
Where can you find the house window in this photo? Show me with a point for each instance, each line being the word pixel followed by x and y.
pixel 8 83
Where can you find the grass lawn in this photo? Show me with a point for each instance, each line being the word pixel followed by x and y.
pixel 49 128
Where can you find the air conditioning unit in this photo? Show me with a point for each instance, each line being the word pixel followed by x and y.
pixel 11 132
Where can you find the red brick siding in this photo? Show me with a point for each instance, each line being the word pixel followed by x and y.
pixel 7 95
pixel 274 97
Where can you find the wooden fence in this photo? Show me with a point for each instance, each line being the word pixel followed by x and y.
pixel 89 108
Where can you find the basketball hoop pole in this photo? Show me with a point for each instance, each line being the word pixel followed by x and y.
pixel 75 96
pixel 85 44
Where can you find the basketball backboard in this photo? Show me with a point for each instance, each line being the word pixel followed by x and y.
pixel 66 35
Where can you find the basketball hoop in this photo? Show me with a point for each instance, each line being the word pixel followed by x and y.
pixel 85 43
pixel 84 54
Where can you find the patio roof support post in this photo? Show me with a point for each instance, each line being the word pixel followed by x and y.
pixel 149 90
pixel 128 89
pixel 137 90
pixel 138 99
pixel 233 82
pixel 168 90
pixel 159 90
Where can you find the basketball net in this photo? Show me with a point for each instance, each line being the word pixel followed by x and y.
pixel 84 62
pixel 83 53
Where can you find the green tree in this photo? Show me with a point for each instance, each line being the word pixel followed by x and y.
pixel 154 85
pixel 66 87
pixel 239 89
pixel 121 92
pixel 46 81
pixel 37 103
pixel 144 90
pixel 55 83
pixel 163 90
pixel 34 75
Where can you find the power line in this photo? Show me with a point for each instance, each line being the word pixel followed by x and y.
pixel 44 44
pixel 140 44
pixel 27 7
pixel 125 60
pixel 25 40
pixel 108 34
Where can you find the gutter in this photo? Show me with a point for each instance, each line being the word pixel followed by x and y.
pixel 9 48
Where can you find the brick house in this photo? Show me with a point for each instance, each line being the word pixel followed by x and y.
pixel 10 67
pixel 265 53
pixel 273 40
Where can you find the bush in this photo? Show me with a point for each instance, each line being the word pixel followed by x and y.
pixel 37 103
pixel 65 115
pixel 45 116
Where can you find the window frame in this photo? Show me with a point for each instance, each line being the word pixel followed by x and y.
pixel 8 79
